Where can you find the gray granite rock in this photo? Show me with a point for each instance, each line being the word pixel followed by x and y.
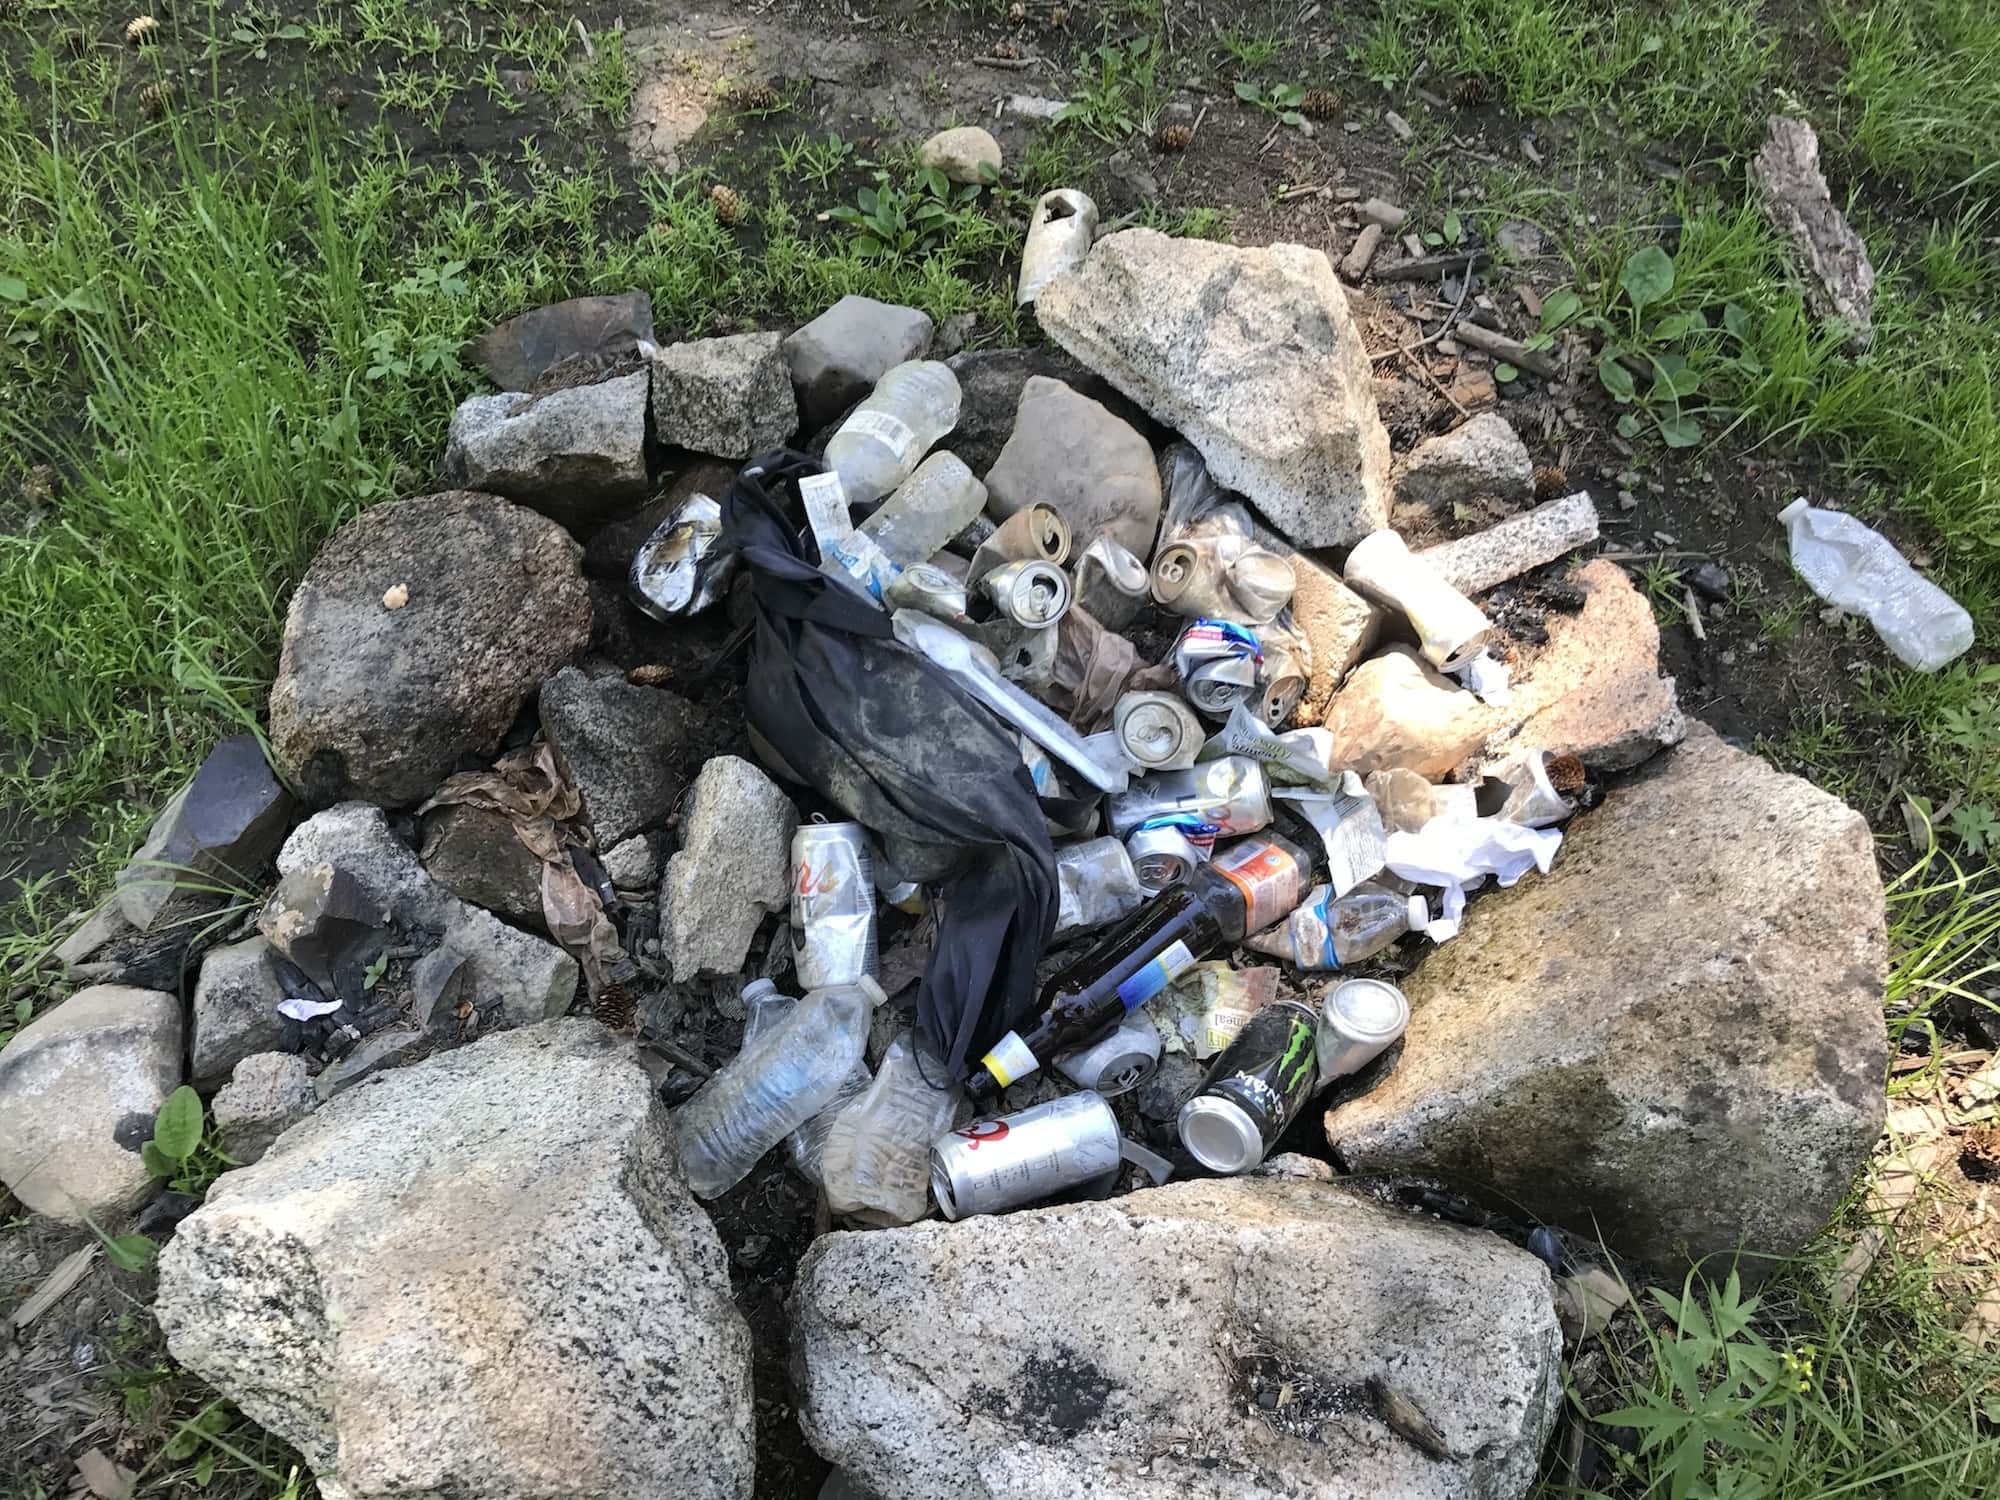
pixel 836 359
pixel 79 1088
pixel 990 382
pixel 481 1275
pixel 235 1010
pixel 1484 456
pixel 733 868
pixel 620 744
pixel 729 397
pixel 267 1094
pixel 576 455
pixel 473 853
pixel 964 153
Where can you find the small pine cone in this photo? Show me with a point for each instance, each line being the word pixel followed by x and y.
pixel 1551 482
pixel 728 204
pixel 155 97
pixel 1566 774
pixel 141 30
pixel 1320 104
pixel 650 674
pixel 1471 91
pixel 758 96
pixel 616 1007
pixel 1174 137
pixel 1005 48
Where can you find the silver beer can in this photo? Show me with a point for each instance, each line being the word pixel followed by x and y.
pixel 1233 793
pixel 833 905
pixel 1161 856
pixel 994 1165
pixel 1029 592
pixel 1120 1062
pixel 1358 1019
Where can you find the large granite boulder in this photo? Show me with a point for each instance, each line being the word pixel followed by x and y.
pixel 1130 1347
pixel 482 1275
pixel 1253 356
pixel 79 1087
pixel 416 635
pixel 729 397
pixel 1674 1039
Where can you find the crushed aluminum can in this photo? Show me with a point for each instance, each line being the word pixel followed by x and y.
pixel 1163 854
pixel 1217 661
pixel 932 590
pixel 1031 593
pixel 670 576
pixel 1222 576
pixel 1254 1089
pixel 1158 730
pixel 1281 682
pixel 1118 1063
pixel 1302 757
pixel 1232 793
pixel 1358 1020
pixel 1111 583
pixel 998 1164
pixel 1059 236
pixel 833 905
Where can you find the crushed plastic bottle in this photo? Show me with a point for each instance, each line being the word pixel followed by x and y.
pixel 879 444
pixel 773 1086
pixel 878 1149
pixel 1329 931
pixel 1856 568
pixel 767 1007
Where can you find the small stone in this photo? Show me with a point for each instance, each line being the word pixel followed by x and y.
pixel 964 154
pixel 97 932
pixel 734 867
pixel 222 828
pixel 267 1094
pixel 1711 579
pixel 323 920
pixel 1069 452
pixel 1339 624
pixel 388 1048
pixel 577 456
pixel 1034 107
pixel 235 1009
pixel 836 359
pixel 1398 126
pixel 80 1086
pixel 1484 559
pixel 1395 711
pixel 1482 457
pixel 729 397
pixel 1520 241
pixel 1586 1301
pixel 396 596
pixel 1294 1166
pixel 619 744
pixel 990 383
pixel 633 865
pixel 1627 500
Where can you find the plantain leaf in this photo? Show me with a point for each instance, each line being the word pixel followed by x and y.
pixel 1647 277
pixel 177 1128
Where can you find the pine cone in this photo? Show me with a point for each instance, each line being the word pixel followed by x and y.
pixel 1471 91
pixel 1174 137
pixel 728 204
pixel 1551 482
pixel 616 1007
pixel 757 96
pixel 1320 104
pixel 155 97
pixel 1566 774
pixel 140 30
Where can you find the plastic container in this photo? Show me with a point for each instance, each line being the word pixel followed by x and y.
pixel 773 1086
pixel 880 443
pixel 1856 568
pixel 927 510
pixel 878 1149
pixel 767 1008
pixel 1329 932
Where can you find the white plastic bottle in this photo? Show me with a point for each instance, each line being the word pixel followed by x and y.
pixel 773 1086
pixel 878 446
pixel 767 1008
pixel 1856 568
pixel 877 1160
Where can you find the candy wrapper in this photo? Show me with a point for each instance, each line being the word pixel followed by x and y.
pixel 1203 1010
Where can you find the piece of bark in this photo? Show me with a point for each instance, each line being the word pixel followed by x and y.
pixel 1354 265
pixel 1424 267
pixel 1500 346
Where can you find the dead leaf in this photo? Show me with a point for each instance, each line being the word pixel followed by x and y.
pixel 105 1479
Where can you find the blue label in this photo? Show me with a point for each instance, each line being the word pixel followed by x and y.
pixel 1144 984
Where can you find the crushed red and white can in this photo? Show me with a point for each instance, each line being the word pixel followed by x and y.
pixel 833 905
pixel 994 1165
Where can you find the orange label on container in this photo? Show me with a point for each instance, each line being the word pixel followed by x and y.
pixel 1270 879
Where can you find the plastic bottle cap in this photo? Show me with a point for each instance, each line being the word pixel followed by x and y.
pixel 1420 914
pixel 757 989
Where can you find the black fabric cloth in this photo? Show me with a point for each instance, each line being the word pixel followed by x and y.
pixel 895 743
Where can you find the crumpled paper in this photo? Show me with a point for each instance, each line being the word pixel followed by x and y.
pixel 1459 854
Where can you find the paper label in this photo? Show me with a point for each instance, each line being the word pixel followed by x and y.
pixel 891 431
pixel 826 509
pixel 1156 976
pixel 1010 1059
pixel 1269 878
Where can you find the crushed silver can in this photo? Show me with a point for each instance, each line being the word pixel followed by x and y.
pixel 1118 1063
pixel 994 1165
pixel 1030 592
pixel 1358 1020
pixel 833 905
pixel 671 574
pixel 1233 793
pixel 1162 855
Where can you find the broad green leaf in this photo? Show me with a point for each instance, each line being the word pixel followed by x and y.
pixel 1454 227
pixel 1249 93
pixel 1680 430
pixel 204 1468
pixel 1736 321
pixel 1647 277
pixel 157 1161
pixel 1643 1418
pixel 1677 326
pixel 867 197
pixel 1433 238
pixel 1615 377
pixel 177 1129
pixel 1629 425
pixel 130 1252
pixel 1505 373
pixel 1559 308
pixel 13 289
pixel 1292 117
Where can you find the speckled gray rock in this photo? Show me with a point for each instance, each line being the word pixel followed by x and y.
pixel 1151 1314
pixel 619 743
pixel 267 1094
pixel 634 863
pixel 728 397
pixel 1485 456
pixel 220 829
pixel 576 455
pixel 964 153
pixel 1832 259
pixel 481 1275
pixel 235 1009
pixel 734 867
pixel 1473 564
pixel 473 853
pixel 79 1087
pixel 990 382
pixel 531 978
pixel 1674 1039
pixel 379 702
pixel 836 359
pixel 1069 452
pixel 1253 356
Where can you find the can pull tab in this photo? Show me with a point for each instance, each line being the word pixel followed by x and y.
pixel 1148 1161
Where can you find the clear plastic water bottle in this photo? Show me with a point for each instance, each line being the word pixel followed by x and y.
pixel 773 1086
pixel 927 510
pixel 1856 568
pixel 878 446
pixel 767 1007
pixel 1328 932
pixel 877 1161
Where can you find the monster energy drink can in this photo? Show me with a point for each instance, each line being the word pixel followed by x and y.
pixel 993 1165
pixel 833 905
pixel 1254 1089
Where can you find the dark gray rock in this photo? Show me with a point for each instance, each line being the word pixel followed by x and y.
pixel 836 359
pixel 389 1048
pixel 379 699
pixel 517 353
pixel 990 383
pixel 221 828
pixel 578 456
pixel 728 397
pixel 473 853
pixel 1070 452
pixel 235 1010
pixel 619 743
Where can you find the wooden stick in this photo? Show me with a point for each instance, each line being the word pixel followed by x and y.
pixel 1425 267
pixel 1511 350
